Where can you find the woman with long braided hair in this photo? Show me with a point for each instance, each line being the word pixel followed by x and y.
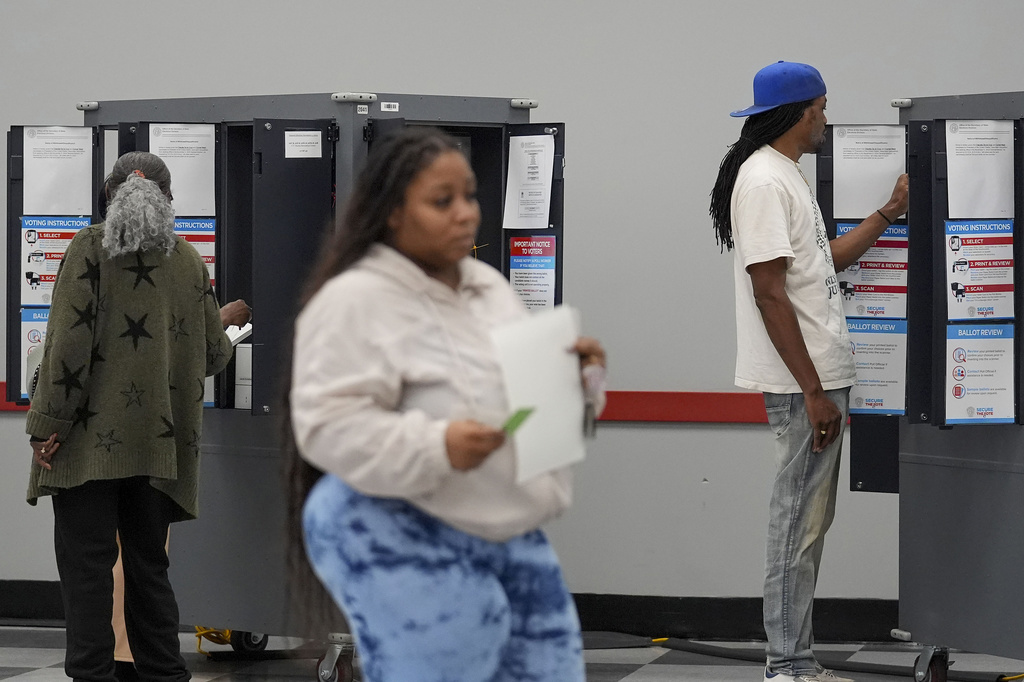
pixel 403 484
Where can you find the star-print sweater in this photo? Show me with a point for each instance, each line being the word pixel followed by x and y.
pixel 129 343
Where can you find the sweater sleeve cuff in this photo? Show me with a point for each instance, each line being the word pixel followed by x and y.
pixel 437 449
pixel 43 426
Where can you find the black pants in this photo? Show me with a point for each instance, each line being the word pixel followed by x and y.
pixel 86 519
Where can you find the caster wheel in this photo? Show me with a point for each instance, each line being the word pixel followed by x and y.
pixel 938 668
pixel 343 670
pixel 248 642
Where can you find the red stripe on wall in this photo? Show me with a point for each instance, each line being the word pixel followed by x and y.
pixel 671 406
pixel 641 406
pixel 6 406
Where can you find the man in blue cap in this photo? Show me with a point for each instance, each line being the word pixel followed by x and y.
pixel 792 342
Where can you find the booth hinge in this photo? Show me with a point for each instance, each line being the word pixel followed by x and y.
pixel 368 132
pixel 333 133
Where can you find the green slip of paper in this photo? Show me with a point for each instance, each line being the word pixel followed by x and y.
pixel 516 420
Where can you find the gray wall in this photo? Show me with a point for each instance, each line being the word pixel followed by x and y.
pixel 644 88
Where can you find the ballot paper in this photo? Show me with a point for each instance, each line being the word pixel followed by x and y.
pixel 542 372
pixel 237 334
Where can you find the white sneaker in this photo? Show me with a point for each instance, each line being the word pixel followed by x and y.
pixel 823 675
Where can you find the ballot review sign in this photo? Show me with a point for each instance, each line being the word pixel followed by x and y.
pixel 979 374
pixel 879 350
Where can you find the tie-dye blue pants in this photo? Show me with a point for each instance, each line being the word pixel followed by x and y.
pixel 429 603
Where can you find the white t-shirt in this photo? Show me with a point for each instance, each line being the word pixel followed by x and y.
pixel 774 215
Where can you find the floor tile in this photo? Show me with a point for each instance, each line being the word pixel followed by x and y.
pixel 694 673
pixel 31 658
pixel 985 664
pixel 638 656
pixel 610 672
pixel 11 672
pixel 40 675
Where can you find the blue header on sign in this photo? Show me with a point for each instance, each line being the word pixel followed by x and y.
pixel 979 226
pixel 891 232
pixel 979 331
pixel 35 314
pixel 33 222
pixel 872 326
pixel 191 225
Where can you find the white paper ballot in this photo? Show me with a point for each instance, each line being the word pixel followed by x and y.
pixel 542 372
pixel 866 160
pixel 188 150
pixel 531 161
pixel 979 164
pixel 58 171
pixel 237 334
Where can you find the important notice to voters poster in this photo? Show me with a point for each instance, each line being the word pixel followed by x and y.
pixel 43 243
pixel 979 374
pixel 531 270
pixel 880 353
pixel 979 269
pixel 876 285
pixel 188 150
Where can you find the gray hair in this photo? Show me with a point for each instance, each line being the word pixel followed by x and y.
pixel 140 216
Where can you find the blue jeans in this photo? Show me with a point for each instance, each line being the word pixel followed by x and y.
pixel 427 602
pixel 802 507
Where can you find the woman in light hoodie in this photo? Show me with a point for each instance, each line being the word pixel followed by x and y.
pixel 411 514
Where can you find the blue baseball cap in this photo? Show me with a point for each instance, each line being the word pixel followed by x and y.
pixel 783 83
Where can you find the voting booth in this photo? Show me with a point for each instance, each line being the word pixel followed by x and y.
pixel 932 310
pixel 256 183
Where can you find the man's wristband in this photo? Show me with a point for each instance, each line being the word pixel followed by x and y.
pixel 887 221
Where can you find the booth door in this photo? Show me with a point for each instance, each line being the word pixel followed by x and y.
pixel 548 291
pixel 293 189
pixel 51 194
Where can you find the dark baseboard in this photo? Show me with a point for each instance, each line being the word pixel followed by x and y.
pixel 31 601
pixel 38 602
pixel 731 618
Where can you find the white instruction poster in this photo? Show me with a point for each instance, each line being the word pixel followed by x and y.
pixel 880 353
pixel 979 374
pixel 303 144
pixel 531 161
pixel 876 285
pixel 58 170
pixel 188 150
pixel 866 159
pixel 979 269
pixel 44 240
pixel 979 167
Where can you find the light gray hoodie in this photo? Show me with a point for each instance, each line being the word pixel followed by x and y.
pixel 385 356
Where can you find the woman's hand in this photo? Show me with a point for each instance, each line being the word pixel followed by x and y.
pixel 470 442
pixel 43 451
pixel 590 352
pixel 235 313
